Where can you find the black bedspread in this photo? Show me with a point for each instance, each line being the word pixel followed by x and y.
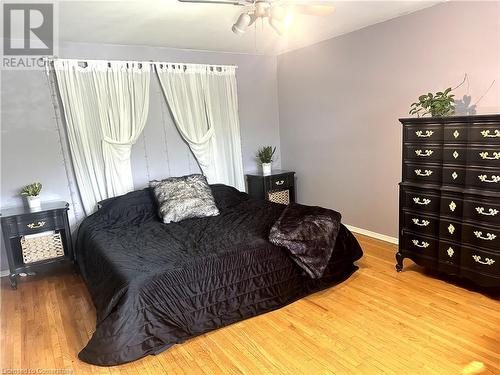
pixel 155 284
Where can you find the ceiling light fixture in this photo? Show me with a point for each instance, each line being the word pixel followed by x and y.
pixel 242 23
pixel 280 13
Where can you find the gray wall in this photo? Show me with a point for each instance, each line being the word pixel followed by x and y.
pixel 340 101
pixel 30 143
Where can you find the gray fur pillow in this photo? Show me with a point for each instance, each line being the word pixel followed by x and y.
pixel 186 197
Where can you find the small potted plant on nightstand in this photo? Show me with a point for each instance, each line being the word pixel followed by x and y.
pixel 265 155
pixel 32 194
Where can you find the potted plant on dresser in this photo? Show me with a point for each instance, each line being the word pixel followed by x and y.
pixel 32 194
pixel 265 155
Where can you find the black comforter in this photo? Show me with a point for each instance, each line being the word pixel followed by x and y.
pixel 155 284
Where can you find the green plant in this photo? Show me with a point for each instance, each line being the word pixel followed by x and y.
pixel 32 190
pixel 265 154
pixel 438 104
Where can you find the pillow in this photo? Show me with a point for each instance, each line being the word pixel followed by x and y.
pixel 227 196
pixel 134 207
pixel 186 197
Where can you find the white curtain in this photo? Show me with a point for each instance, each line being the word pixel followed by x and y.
pixel 222 110
pixel 105 107
pixel 203 101
pixel 123 95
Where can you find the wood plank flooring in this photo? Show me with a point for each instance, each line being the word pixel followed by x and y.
pixel 377 322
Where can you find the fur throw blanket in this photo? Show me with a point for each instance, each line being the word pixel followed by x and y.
pixel 309 234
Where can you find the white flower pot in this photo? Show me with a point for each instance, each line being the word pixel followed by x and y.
pixel 33 202
pixel 266 169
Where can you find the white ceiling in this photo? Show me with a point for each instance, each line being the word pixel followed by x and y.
pixel 169 23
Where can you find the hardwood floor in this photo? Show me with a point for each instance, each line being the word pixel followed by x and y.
pixel 377 322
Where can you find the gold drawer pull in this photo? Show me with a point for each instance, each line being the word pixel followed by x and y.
pixel 279 183
pixel 487 261
pixel 489 236
pixel 484 178
pixel 485 155
pixel 486 134
pixel 491 211
pixel 424 201
pixel 421 134
pixel 426 173
pixel 424 223
pixel 423 245
pixel 36 225
pixel 424 153
pixel 450 252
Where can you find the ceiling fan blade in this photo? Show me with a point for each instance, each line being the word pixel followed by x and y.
pixel 313 10
pixel 227 2
pixel 304 2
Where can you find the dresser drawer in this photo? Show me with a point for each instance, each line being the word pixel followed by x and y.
pixel 423 133
pixel 478 235
pixel 451 207
pixel 280 182
pixel 487 178
pixel 485 133
pixel 455 133
pixel 454 176
pixel 485 155
pixel 423 153
pixel 481 261
pixel 423 173
pixel 451 230
pixel 449 256
pixel 36 223
pixel 483 211
pixel 420 245
pixel 454 154
pixel 421 201
pixel 421 224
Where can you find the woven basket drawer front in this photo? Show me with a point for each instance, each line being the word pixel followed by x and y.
pixel 279 196
pixel 41 248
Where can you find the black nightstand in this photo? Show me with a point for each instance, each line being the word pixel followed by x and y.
pixel 279 187
pixel 28 248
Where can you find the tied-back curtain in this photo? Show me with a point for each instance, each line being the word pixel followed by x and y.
pixel 184 88
pixel 123 95
pixel 105 107
pixel 203 102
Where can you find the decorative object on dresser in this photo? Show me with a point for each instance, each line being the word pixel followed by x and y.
pixel 450 196
pixel 438 104
pixel 279 187
pixel 37 238
pixel 265 155
pixel 32 194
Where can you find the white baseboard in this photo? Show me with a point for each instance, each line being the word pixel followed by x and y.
pixel 376 235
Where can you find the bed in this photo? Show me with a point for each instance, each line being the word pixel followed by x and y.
pixel 155 285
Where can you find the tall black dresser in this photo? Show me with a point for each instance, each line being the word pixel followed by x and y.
pixel 450 196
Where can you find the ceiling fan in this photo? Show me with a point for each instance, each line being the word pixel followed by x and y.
pixel 279 13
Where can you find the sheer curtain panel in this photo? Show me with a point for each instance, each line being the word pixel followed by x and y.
pixel 203 101
pixel 105 108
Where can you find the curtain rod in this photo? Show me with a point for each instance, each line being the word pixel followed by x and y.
pixel 151 62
